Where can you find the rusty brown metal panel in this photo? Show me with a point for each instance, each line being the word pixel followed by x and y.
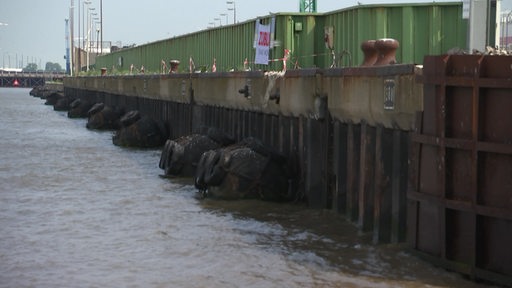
pixel 428 228
pixel 460 237
pixel 495 180
pixel 459 173
pixel 460 200
pixel 495 116
pixel 494 239
pixel 459 112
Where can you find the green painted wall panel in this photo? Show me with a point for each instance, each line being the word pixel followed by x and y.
pixel 421 29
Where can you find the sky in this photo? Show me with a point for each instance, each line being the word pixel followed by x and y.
pixel 34 30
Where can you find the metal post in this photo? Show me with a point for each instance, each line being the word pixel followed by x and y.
pixel 79 41
pixel 232 9
pixel 507 23
pixel 97 41
pixel 101 25
pixel 89 24
pixel 83 31
pixel 225 14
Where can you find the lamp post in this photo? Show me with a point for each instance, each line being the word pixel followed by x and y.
pixel 225 14
pixel 101 25
pixel 79 43
pixel 507 23
pixel 3 59
pixel 218 19
pixel 97 41
pixel 83 20
pixel 232 9
pixel 82 39
pixel 89 23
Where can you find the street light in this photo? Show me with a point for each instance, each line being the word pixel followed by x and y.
pixel 507 23
pixel 211 25
pixel 232 9
pixel 218 19
pixel 97 40
pixel 3 59
pixel 83 21
pixel 225 14
pixel 101 25
pixel 89 23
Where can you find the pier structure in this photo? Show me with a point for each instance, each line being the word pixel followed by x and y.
pixel 404 151
pixel 27 79
pixel 347 129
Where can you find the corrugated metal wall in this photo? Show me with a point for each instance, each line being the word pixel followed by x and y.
pixel 421 29
pixel 229 45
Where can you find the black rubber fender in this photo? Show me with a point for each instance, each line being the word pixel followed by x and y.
pixel 173 167
pixel 129 118
pixel 95 109
pixel 220 136
pixel 199 182
pixel 165 154
pixel 75 103
pixel 257 146
pixel 214 170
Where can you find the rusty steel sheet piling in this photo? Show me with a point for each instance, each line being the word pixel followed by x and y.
pixel 459 198
pixel 345 130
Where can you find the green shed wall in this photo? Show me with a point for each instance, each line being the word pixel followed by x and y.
pixel 421 29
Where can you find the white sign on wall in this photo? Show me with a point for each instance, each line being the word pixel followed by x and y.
pixel 262 44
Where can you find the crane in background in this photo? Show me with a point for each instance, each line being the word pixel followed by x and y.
pixel 307 6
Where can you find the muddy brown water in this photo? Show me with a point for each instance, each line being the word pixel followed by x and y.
pixel 77 211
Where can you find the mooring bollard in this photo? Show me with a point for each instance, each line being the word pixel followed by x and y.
pixel 386 48
pixel 370 53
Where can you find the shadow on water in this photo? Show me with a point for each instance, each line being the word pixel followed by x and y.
pixel 328 240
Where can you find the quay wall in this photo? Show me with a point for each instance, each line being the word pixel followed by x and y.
pixel 347 129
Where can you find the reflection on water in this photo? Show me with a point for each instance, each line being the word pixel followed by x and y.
pixel 76 211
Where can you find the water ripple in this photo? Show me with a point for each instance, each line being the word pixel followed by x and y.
pixel 76 211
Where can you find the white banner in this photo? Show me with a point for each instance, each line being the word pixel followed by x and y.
pixel 263 44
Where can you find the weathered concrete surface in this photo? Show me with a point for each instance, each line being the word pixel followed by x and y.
pixel 344 130
pixel 352 95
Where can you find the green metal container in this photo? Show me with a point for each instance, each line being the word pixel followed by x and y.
pixel 421 29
